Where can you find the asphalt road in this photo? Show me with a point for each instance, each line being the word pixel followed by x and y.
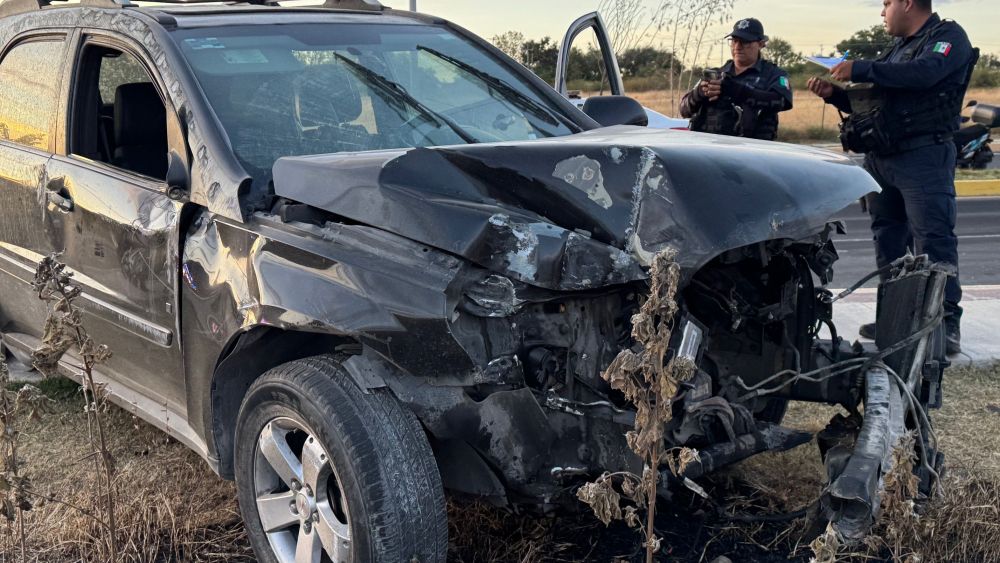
pixel 978 231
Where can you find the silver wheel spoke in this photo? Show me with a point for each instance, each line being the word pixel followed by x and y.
pixel 275 511
pixel 308 549
pixel 307 520
pixel 335 535
pixel 313 463
pixel 279 455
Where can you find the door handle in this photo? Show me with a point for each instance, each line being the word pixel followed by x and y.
pixel 57 195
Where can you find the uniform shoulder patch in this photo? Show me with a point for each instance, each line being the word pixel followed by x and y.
pixel 942 47
pixel 784 82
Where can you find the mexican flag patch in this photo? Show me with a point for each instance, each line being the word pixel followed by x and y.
pixel 784 82
pixel 942 47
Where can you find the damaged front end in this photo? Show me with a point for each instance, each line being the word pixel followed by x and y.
pixel 543 417
pixel 556 238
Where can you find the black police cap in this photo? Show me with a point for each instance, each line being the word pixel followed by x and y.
pixel 749 29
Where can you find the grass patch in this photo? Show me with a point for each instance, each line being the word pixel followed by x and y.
pixel 813 133
pixel 964 174
pixel 55 388
pixel 170 505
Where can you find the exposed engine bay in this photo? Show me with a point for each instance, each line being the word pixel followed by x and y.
pixel 542 417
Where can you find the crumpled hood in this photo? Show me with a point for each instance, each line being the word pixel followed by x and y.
pixel 585 210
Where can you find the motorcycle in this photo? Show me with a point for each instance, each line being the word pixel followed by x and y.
pixel 973 141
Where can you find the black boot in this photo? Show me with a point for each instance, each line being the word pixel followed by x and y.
pixel 867 331
pixel 952 339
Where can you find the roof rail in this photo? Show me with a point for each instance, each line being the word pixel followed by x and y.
pixel 184 2
pixel 365 5
pixel 368 5
pixel 371 5
pixel 11 7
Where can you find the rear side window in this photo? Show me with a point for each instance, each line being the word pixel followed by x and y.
pixel 115 71
pixel 29 90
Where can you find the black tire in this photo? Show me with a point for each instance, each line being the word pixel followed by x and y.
pixel 382 464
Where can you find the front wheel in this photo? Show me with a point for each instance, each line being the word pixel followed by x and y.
pixel 328 473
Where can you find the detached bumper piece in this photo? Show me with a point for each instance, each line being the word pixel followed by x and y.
pixel 901 381
pixel 767 437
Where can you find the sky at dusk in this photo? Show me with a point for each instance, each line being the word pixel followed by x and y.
pixel 807 24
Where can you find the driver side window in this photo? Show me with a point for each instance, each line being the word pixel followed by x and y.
pixel 118 115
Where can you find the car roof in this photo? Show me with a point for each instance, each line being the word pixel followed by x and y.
pixel 202 13
pixel 218 13
pixel 242 14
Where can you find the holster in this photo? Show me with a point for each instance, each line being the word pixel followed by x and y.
pixel 867 131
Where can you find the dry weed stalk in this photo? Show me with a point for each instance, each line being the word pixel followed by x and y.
pixel 898 517
pixel 64 330
pixel 14 503
pixel 649 376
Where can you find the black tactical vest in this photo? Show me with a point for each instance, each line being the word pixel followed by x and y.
pixel 903 119
pixel 725 117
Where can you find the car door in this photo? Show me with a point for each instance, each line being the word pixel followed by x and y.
pixel 609 61
pixel 593 20
pixel 31 69
pixel 113 218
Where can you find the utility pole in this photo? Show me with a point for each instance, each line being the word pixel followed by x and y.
pixel 413 5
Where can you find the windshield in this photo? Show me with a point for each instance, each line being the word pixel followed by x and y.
pixel 300 89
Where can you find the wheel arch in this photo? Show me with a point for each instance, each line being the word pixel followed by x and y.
pixel 249 355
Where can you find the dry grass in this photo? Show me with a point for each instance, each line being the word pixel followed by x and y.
pixel 962 524
pixel 804 120
pixel 170 505
pixel 173 508
pixel 965 174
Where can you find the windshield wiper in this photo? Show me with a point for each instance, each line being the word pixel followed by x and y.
pixel 398 93
pixel 519 99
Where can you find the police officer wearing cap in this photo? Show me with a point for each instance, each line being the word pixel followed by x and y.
pixel 903 120
pixel 743 97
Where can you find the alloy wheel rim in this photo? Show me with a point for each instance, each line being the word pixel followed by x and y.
pixel 300 500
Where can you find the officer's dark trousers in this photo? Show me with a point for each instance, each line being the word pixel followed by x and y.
pixel 917 209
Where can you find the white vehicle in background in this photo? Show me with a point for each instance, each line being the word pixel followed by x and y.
pixel 593 20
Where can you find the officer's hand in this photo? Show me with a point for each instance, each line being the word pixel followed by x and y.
pixel 842 71
pixel 711 89
pixel 820 87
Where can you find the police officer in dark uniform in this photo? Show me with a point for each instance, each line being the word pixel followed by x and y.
pixel 743 97
pixel 904 121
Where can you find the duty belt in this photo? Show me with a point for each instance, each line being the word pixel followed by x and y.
pixel 921 141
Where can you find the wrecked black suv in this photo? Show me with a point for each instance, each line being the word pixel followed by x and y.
pixel 355 257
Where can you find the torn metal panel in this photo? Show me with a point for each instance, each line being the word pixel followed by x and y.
pixel 585 210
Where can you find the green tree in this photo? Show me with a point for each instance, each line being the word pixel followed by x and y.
pixel 646 61
pixel 540 56
pixel 511 43
pixel 867 43
pixel 988 61
pixel 781 53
